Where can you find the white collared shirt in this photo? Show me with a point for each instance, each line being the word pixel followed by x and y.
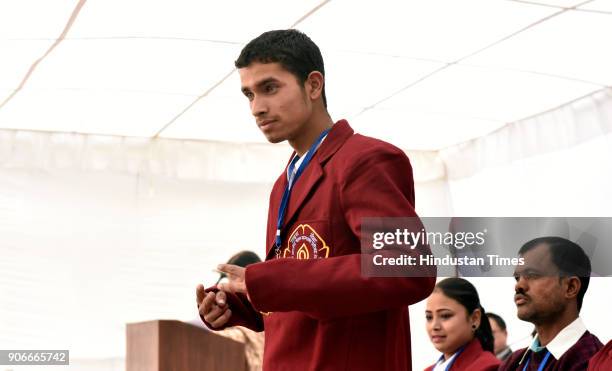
pixel 441 366
pixel 299 161
pixel 565 339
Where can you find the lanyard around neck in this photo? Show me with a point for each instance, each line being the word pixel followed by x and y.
pixel 290 183
pixel 454 356
pixel 542 364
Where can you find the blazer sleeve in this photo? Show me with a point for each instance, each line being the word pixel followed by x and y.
pixel 243 313
pixel 380 184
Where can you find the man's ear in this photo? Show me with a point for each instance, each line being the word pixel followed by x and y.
pixel 572 287
pixel 314 85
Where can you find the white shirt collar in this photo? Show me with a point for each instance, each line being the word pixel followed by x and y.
pixel 441 366
pixel 299 160
pixel 296 166
pixel 566 338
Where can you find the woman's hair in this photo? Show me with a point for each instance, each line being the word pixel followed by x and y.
pixel 244 258
pixel 241 259
pixel 463 292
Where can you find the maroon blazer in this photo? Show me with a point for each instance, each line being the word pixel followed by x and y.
pixel 473 358
pixel 602 360
pixel 575 358
pixel 321 313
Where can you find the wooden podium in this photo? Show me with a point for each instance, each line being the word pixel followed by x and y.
pixel 165 345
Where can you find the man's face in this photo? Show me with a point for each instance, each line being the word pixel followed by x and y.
pixel 499 335
pixel 539 295
pixel 277 100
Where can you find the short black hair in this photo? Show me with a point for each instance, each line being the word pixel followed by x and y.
pixel 569 258
pixel 463 292
pixel 292 49
pixel 497 318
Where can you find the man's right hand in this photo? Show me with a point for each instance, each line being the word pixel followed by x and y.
pixel 213 307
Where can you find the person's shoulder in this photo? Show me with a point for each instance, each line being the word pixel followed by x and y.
pixel 582 350
pixel 602 360
pixel 363 150
pixel 607 348
pixel 587 344
pixel 477 358
pixel 233 333
pixel 474 357
pixel 487 361
pixel 365 144
pixel 511 363
pixel 590 340
pixel 504 354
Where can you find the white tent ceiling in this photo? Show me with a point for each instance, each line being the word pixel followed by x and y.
pixel 441 71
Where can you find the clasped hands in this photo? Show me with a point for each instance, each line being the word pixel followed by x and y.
pixel 213 306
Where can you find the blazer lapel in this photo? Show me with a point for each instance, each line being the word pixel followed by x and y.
pixel 275 200
pixel 307 182
pixel 302 188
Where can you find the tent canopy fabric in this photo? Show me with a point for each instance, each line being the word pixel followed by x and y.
pixel 443 71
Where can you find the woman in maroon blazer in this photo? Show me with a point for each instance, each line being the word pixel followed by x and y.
pixel 458 327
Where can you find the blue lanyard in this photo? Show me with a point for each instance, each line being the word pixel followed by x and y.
pixel 450 364
pixel 541 364
pixel 290 183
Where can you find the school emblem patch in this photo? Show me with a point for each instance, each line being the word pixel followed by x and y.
pixel 305 243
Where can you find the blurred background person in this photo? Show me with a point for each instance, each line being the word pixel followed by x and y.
pixel 241 259
pixel 457 327
pixel 253 341
pixel 500 335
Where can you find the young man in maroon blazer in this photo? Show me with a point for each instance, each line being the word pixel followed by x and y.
pixel 318 311
pixel 549 291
